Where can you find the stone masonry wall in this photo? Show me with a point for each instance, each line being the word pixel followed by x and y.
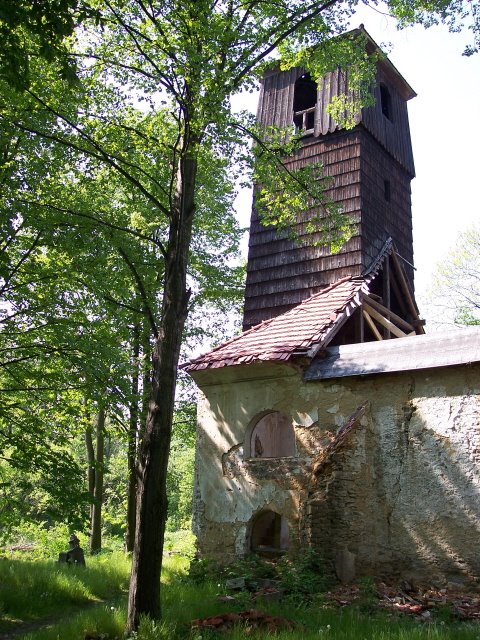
pixel 400 496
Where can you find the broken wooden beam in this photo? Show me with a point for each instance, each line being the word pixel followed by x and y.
pixel 325 456
pixel 388 313
pixel 384 321
pixel 372 325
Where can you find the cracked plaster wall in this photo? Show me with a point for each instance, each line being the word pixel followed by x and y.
pixel 401 494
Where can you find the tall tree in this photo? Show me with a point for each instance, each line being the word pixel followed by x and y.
pixel 96 470
pixel 82 300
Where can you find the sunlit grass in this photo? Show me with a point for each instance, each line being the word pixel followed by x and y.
pixel 35 589
pixel 183 601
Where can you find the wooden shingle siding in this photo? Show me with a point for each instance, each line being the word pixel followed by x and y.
pixel 309 268
pixel 266 259
pixel 306 268
pixel 382 219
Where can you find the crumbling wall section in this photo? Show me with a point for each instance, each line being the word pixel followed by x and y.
pixel 399 497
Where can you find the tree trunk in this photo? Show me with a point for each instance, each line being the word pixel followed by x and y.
pixel 144 594
pixel 90 467
pixel 96 528
pixel 132 445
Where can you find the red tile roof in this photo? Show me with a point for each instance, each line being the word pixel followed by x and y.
pixel 293 333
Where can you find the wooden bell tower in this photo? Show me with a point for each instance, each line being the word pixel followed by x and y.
pixel 371 166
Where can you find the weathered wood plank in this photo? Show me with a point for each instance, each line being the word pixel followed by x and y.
pixel 388 313
pixel 405 286
pixel 372 325
pixel 384 322
pixel 325 456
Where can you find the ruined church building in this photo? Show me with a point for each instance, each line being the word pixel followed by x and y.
pixel 333 421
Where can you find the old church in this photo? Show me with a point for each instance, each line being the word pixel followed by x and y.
pixel 334 422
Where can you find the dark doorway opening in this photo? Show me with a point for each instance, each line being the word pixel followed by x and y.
pixel 269 534
pixel 386 102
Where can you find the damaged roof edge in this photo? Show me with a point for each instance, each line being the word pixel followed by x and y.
pixel 443 349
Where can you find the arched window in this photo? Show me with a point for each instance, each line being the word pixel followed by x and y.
pixel 269 533
pixel 304 102
pixel 271 437
pixel 386 102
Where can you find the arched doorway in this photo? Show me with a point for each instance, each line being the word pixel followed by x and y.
pixel 269 533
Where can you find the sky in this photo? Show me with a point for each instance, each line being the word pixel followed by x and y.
pixel 445 130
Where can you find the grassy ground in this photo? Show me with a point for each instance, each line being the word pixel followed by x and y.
pixel 35 591
pixel 38 589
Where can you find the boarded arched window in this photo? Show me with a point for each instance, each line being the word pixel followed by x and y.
pixel 272 437
pixel 304 103
pixel 269 533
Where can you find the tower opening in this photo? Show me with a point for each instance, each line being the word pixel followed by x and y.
pixel 304 104
pixel 386 102
pixel 387 190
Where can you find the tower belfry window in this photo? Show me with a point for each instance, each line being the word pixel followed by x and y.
pixel 386 102
pixel 304 104
pixel 387 190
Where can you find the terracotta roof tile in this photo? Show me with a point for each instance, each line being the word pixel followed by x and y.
pixel 292 333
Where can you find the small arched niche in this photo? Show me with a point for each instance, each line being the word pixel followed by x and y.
pixel 272 436
pixel 269 533
pixel 304 103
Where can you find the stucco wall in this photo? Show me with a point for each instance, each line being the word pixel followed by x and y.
pixel 401 494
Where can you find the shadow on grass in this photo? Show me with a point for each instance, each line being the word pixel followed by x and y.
pixel 34 590
pixel 183 601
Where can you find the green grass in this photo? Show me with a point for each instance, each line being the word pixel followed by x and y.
pixel 183 601
pixel 31 590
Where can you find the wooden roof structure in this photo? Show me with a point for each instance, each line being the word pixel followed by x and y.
pixel 315 323
pixel 444 349
pixel 294 333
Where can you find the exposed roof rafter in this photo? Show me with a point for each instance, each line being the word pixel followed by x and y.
pixel 311 326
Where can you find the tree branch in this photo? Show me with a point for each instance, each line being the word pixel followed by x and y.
pixel 141 289
pixel 101 154
pixel 22 260
pixel 311 12
pixel 100 221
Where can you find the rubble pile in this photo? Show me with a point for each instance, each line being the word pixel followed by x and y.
pixel 407 599
pixel 251 618
pixel 424 604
